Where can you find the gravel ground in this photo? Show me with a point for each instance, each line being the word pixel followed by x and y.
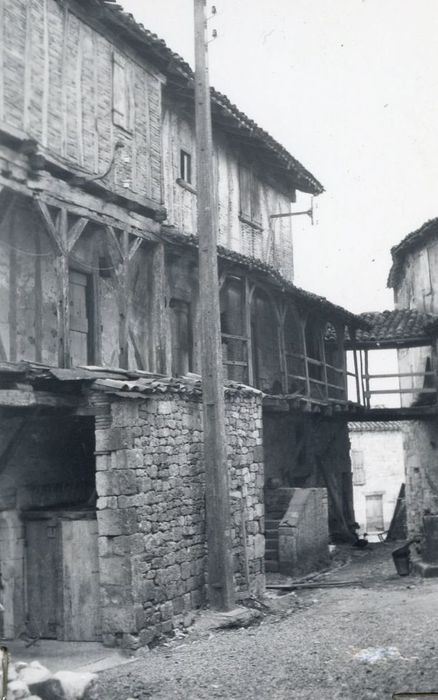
pixel 305 647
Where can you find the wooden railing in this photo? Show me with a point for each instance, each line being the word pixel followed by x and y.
pixel 417 392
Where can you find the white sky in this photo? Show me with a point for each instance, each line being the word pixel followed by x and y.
pixel 350 88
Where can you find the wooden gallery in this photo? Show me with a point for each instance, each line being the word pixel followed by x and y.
pixel 102 532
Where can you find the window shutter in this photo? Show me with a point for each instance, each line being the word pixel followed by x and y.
pixel 357 463
pixel 120 93
pixel 245 192
pixel 255 200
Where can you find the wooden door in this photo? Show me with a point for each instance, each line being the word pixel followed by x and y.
pixel 80 574
pixel 42 562
pixel 79 322
pixel 374 512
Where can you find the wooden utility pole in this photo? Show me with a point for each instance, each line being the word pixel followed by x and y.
pixel 220 570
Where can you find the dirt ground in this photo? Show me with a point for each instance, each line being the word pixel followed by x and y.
pixel 359 642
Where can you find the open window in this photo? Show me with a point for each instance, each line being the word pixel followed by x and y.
pixel 81 318
pixel 181 334
pixel 234 340
pixel 265 343
pixel 185 167
pixel 334 357
pixel 294 351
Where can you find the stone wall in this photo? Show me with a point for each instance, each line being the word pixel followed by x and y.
pixel 151 511
pixel 421 464
pixel 303 534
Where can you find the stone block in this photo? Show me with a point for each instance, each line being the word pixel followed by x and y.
pixel 112 439
pixel 116 522
pixel 119 619
pixel 50 689
pixel 17 690
pixel 78 686
pixel 115 571
pixel 116 483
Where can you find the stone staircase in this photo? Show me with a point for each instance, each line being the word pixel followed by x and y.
pixel 276 505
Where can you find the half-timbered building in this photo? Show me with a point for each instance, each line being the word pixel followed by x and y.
pixel 101 523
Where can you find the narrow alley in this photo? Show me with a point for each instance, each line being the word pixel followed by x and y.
pixel 358 642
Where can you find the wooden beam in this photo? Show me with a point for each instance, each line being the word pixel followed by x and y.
pixel 50 226
pixel 62 268
pixel 13 289
pixel 159 360
pixel 114 244
pixel 76 231
pixel 123 277
pixel 249 292
pixel 38 300
pixel 133 247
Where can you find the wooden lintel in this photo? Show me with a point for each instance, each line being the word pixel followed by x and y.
pixel 19 398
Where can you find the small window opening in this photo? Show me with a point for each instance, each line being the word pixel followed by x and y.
pixel 186 167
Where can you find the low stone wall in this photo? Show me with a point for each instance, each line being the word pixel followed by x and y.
pixel 303 533
pixel 151 510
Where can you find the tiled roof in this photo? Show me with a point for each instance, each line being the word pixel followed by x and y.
pixel 171 64
pixel 397 327
pixel 173 235
pixel 414 240
pixel 374 426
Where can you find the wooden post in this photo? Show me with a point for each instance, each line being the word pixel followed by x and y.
pixel 282 341
pixel 249 291
pixel 220 584
pixel 123 302
pixel 306 364
pixel 324 363
pixel 367 382
pixel 159 361
pixel 356 368
pixel 64 295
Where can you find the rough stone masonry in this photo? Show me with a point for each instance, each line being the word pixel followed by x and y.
pixel 151 510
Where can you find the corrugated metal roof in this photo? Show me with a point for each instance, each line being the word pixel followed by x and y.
pixel 171 64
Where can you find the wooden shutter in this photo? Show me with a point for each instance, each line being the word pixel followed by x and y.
pixel 120 93
pixel 245 192
pixel 78 318
pixel 255 200
pixel 374 511
pixel 357 463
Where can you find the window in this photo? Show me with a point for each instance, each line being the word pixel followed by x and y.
pixel 358 467
pixel 374 511
pixel 249 188
pixel 185 168
pixel 180 324
pixel 122 93
pixel 81 318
